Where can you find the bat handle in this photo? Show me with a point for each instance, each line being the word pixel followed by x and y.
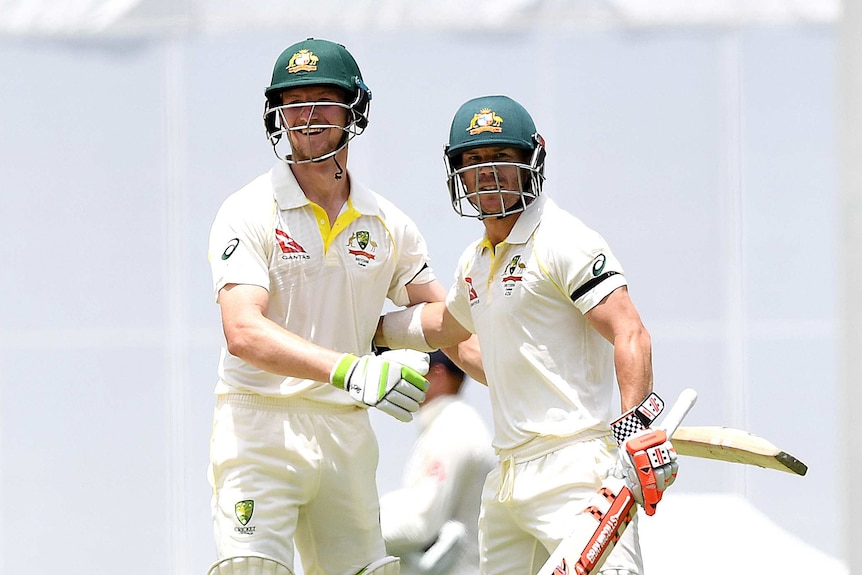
pixel 680 409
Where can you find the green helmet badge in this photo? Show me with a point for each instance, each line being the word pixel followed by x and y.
pixel 303 61
pixel 485 120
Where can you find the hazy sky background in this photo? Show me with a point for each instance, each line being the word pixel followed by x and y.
pixel 706 157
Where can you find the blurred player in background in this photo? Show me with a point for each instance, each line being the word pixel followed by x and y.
pixel 431 521
pixel 303 259
pixel 556 326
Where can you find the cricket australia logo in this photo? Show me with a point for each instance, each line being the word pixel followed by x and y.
pixel 485 121
pixel 290 248
pixel 361 247
pixel 302 61
pixel 244 510
pixel 513 273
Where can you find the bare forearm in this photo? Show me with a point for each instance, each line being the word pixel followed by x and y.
pixel 254 338
pixel 616 318
pixel 467 356
pixel 440 327
pixel 633 364
pixel 271 348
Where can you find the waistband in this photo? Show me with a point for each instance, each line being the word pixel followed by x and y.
pixel 283 403
pixel 544 444
pixel 535 448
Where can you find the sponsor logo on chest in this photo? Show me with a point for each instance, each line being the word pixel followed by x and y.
pixel 471 291
pixel 290 248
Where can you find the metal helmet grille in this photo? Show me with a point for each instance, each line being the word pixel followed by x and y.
pixel 467 202
pixel 278 129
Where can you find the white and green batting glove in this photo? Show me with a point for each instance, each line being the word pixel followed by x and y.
pixel 392 382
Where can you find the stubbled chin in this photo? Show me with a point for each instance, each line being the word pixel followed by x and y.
pixel 306 153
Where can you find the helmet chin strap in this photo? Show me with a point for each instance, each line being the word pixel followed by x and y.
pixel 340 170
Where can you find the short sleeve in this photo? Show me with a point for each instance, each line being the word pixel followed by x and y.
pixel 593 282
pixel 587 270
pixel 238 245
pixel 461 294
pixel 414 263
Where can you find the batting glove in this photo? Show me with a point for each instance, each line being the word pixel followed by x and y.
pixel 648 463
pixel 392 382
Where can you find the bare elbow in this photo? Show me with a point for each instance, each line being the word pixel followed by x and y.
pixel 235 348
pixel 238 340
pixel 242 309
pixel 636 337
pixel 643 336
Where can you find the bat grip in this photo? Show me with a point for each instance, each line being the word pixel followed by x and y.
pixel 680 409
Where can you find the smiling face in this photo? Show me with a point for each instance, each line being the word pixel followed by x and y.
pixel 494 178
pixel 315 118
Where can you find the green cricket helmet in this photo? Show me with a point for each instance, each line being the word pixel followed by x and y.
pixel 501 122
pixel 315 62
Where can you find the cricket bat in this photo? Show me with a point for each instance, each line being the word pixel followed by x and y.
pixel 598 528
pixel 734 445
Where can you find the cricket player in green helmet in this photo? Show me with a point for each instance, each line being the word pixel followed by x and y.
pixel 557 330
pixel 303 259
pixel 317 63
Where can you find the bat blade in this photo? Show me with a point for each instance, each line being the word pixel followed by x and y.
pixel 736 446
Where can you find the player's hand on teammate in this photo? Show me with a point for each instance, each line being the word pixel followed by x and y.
pixel 393 381
pixel 648 463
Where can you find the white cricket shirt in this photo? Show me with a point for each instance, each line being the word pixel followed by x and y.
pixel 327 285
pixel 549 373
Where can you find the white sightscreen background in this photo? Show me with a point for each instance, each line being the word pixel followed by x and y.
pixel 706 158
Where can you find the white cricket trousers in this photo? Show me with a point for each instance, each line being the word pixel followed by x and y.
pixel 530 497
pixel 285 469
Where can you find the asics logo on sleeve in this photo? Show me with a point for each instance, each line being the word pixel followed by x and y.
pixel 231 246
pixel 599 264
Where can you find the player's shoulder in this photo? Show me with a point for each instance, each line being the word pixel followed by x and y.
pixel 559 224
pixel 396 220
pixel 388 209
pixel 556 217
pixel 255 194
pixel 469 253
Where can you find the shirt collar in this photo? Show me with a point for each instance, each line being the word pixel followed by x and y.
pixel 526 223
pixel 289 195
